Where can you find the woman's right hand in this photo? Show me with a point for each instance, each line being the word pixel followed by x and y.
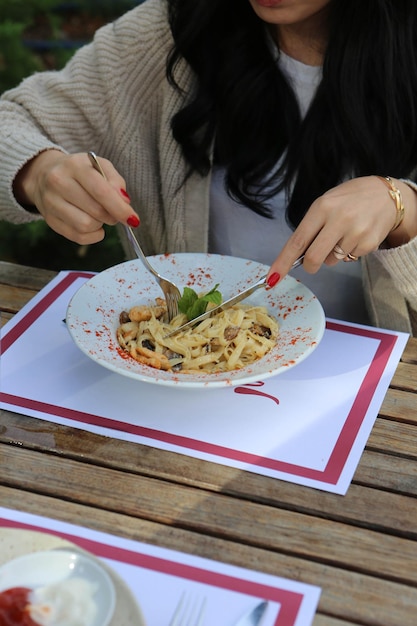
pixel 74 199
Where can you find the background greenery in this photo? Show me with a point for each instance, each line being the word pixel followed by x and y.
pixel 36 35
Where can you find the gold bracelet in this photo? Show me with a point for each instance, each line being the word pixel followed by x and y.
pixel 395 194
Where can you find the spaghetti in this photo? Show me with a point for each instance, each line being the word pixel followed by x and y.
pixel 227 341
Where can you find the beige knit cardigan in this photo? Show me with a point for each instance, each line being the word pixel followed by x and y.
pixel 113 98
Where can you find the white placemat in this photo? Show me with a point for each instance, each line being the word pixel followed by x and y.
pixel 308 425
pixel 157 577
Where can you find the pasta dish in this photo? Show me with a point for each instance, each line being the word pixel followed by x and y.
pixel 230 340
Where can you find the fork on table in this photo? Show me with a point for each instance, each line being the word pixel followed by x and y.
pixel 189 612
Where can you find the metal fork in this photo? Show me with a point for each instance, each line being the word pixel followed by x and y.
pixel 189 612
pixel 170 290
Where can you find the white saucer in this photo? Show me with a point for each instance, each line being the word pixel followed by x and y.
pixel 49 567
pixel 15 543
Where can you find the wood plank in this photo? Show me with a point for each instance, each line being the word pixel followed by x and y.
pixel 394 436
pixel 31 278
pixel 215 514
pixel 14 298
pixel 388 472
pixel 410 352
pixel 5 317
pixel 348 596
pixel 325 620
pixel 405 377
pixel 400 405
pixel 18 284
pixel 376 469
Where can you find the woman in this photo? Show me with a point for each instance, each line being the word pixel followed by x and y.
pixel 249 127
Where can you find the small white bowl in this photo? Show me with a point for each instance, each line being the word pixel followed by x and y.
pixel 44 568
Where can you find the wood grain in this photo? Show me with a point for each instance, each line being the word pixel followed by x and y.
pixel 252 523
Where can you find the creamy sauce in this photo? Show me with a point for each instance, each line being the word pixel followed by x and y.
pixel 68 603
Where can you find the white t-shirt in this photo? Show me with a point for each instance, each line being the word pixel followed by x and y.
pixel 237 231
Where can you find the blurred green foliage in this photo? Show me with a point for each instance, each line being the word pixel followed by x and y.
pixel 36 35
pixel 15 60
pixel 35 244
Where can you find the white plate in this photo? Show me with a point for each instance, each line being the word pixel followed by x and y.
pixel 93 314
pixel 49 567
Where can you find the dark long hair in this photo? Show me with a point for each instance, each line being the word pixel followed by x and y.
pixel 362 121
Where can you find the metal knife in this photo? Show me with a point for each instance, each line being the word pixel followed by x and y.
pixel 228 303
pixel 254 616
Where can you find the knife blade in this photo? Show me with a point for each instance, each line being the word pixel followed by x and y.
pixel 227 303
pixel 254 616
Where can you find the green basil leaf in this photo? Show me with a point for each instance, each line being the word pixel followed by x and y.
pixel 198 308
pixel 214 296
pixel 187 300
pixel 192 305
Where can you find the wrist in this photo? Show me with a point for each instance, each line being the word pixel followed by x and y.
pixel 25 183
pixel 407 229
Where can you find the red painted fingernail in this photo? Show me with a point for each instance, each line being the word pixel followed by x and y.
pixel 273 279
pixel 125 194
pixel 133 221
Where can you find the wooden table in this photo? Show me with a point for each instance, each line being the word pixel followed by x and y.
pixel 361 549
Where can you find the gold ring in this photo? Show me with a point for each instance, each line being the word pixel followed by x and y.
pixel 339 252
pixel 350 257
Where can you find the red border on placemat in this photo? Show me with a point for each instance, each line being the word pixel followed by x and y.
pixel 330 474
pixel 290 601
pixel 39 308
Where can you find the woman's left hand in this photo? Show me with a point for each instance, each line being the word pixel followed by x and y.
pixel 355 218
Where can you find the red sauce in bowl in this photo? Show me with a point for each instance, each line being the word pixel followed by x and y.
pixel 14 607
